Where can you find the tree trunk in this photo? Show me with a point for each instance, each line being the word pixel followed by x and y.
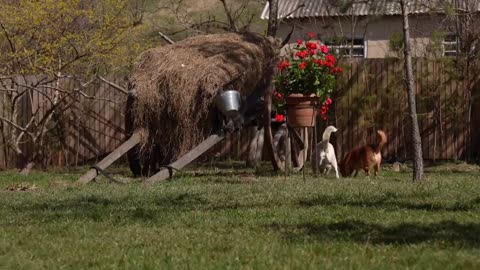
pixel 267 121
pixel 410 83
pixel 276 162
pixel 272 18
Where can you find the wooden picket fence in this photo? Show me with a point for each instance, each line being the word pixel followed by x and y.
pixel 370 95
pixel 93 127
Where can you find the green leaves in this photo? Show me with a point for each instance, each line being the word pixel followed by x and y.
pixel 69 36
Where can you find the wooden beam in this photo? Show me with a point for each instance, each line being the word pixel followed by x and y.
pixel 112 157
pixel 186 159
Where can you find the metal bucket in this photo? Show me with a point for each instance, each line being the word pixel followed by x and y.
pixel 228 102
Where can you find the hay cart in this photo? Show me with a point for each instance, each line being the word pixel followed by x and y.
pixel 181 103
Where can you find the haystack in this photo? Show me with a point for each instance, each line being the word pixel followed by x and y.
pixel 175 86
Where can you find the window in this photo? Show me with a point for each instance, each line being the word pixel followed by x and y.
pixel 450 45
pixel 344 47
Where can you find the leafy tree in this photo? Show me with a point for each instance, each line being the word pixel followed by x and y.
pixel 55 40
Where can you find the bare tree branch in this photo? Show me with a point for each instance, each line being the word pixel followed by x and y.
pixel 231 21
pixel 114 85
pixel 13 124
pixel 7 36
pixel 166 38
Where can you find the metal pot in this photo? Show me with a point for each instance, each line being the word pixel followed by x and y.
pixel 228 102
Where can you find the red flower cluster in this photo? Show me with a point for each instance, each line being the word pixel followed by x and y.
pixel 283 64
pixel 324 49
pixel 308 69
pixel 311 50
pixel 311 45
pixel 279 118
pixel 330 58
pixel 336 70
pixel 302 54
pixel 325 107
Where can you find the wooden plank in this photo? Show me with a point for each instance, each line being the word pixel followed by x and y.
pixel 427 140
pixel 187 158
pixel 463 120
pixel 112 157
pixel 3 155
pixel 388 104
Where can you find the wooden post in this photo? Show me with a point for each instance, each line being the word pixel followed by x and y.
pixel 314 157
pixel 112 157
pixel 302 154
pixel 187 158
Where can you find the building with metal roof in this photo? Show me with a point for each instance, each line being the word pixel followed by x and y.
pixel 330 8
pixel 368 28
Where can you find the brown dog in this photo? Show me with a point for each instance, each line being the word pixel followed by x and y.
pixel 364 157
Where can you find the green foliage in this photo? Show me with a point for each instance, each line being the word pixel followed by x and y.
pixel 234 219
pixel 395 44
pixel 435 47
pixel 70 36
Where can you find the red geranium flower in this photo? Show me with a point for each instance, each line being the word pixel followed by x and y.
pixel 279 117
pixel 311 34
pixel 330 58
pixel 302 65
pixel 299 42
pixel 336 70
pixel 301 54
pixel 319 62
pixel 311 46
pixel 283 64
pixel 324 49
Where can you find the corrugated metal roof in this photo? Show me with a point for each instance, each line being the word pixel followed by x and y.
pixel 331 8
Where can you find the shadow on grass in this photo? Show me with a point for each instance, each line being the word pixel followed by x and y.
pixel 161 208
pixel 195 201
pixel 386 202
pixel 402 234
pixel 232 173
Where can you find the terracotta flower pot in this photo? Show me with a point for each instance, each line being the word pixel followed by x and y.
pixel 301 110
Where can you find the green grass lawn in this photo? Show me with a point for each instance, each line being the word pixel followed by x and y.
pixel 231 218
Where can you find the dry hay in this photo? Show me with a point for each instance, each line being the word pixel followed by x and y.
pixel 175 85
pixel 22 187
